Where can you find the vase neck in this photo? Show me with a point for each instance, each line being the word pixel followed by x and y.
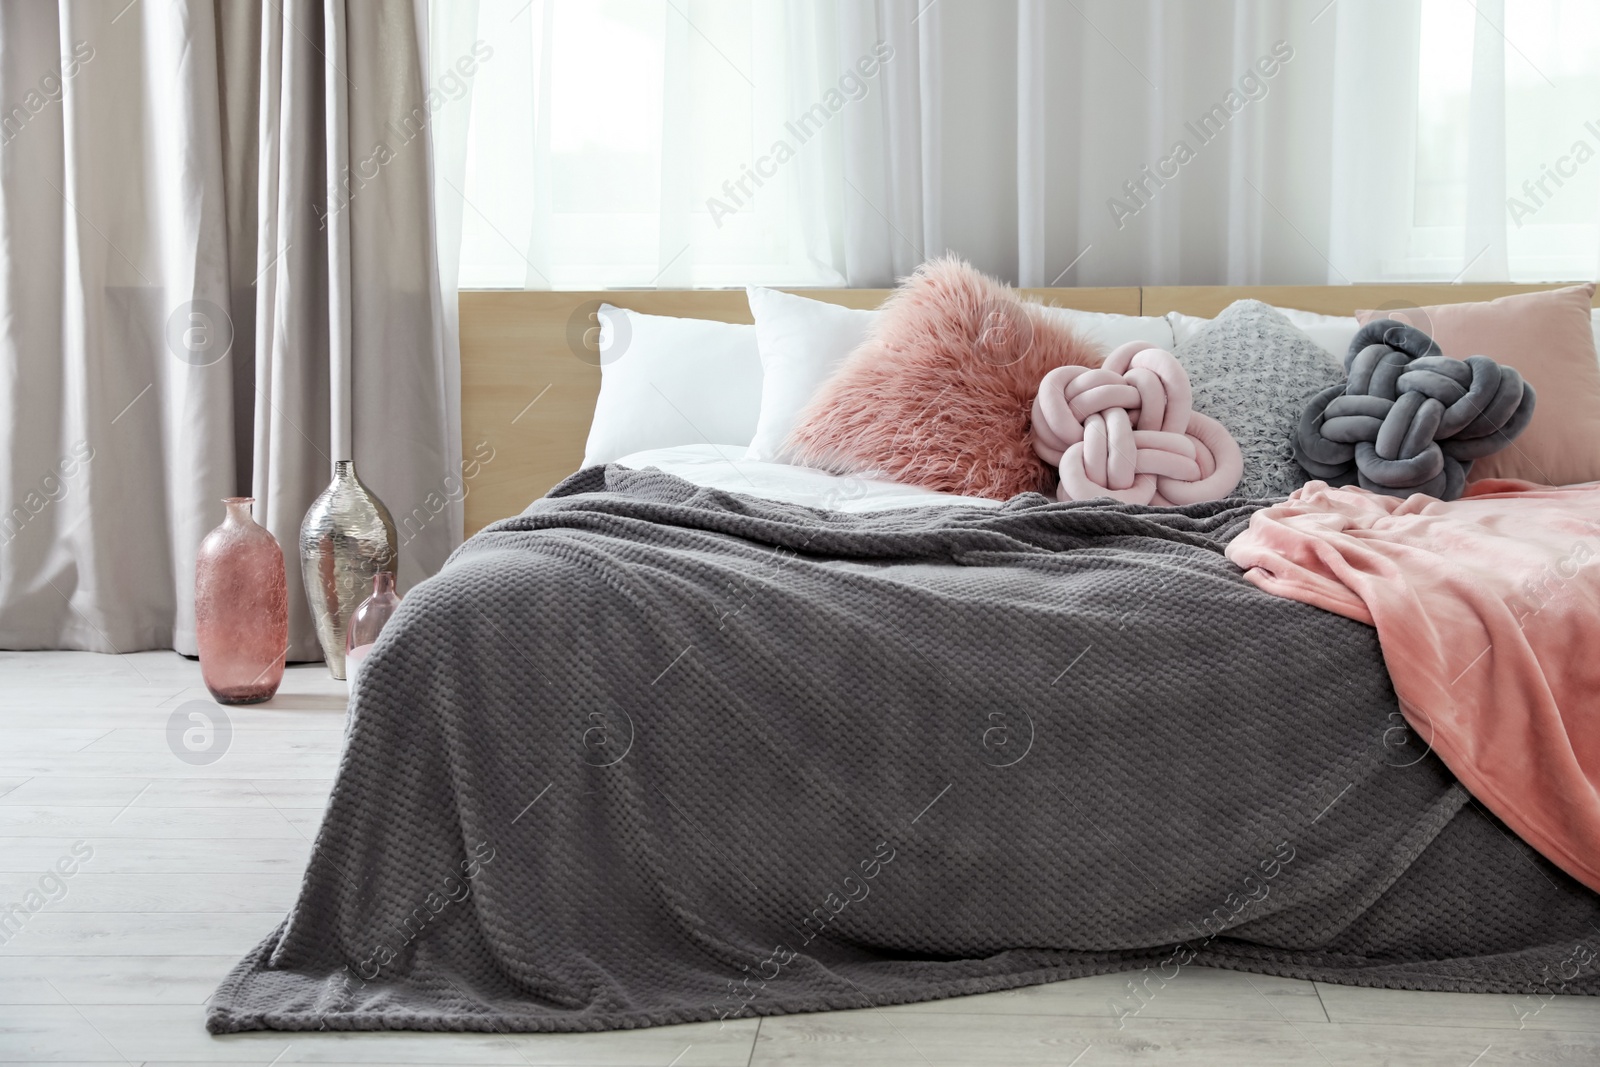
pixel 344 468
pixel 239 509
pixel 383 583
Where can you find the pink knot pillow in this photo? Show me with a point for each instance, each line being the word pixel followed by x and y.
pixel 941 392
pixel 1127 430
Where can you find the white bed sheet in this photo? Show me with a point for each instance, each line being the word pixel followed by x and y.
pixel 724 467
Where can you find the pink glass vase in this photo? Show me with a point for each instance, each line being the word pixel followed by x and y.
pixel 370 617
pixel 241 608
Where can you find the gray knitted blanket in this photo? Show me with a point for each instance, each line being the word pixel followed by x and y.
pixel 651 753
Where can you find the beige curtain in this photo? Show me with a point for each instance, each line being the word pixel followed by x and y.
pixel 218 277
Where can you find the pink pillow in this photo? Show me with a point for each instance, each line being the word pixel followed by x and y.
pixel 941 392
pixel 1127 430
pixel 1549 339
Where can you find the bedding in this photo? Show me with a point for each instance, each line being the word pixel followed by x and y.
pixel 804 342
pixel 1331 333
pixel 1184 326
pixel 668 381
pixel 720 467
pixel 1107 331
pixel 1548 337
pixel 1126 430
pixel 1253 372
pixel 1409 419
pixel 939 395
pixel 655 753
pixel 1488 610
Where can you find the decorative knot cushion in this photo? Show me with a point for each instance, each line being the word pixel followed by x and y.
pixel 940 393
pixel 1128 430
pixel 1410 419
pixel 1549 338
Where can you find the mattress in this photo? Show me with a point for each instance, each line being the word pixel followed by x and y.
pixel 724 467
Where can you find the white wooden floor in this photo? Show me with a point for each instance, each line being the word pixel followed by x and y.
pixel 193 864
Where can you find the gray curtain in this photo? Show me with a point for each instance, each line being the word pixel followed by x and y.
pixel 217 277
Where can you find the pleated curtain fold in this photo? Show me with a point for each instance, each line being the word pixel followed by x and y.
pixel 218 276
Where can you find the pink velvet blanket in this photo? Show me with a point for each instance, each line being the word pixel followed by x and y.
pixel 1488 611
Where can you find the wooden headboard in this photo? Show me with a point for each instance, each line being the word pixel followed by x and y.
pixel 530 371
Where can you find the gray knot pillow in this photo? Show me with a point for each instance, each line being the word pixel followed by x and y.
pixel 1410 419
pixel 1253 371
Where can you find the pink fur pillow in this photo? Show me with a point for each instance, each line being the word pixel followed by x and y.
pixel 941 393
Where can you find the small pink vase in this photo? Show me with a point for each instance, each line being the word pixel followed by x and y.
pixel 241 608
pixel 370 617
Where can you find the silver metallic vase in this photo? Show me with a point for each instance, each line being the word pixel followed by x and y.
pixel 347 538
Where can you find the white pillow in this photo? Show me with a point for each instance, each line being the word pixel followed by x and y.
pixel 1107 331
pixel 802 343
pixel 667 381
pixel 1332 333
pixel 1184 326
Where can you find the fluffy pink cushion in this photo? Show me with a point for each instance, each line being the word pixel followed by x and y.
pixel 941 393
pixel 1549 338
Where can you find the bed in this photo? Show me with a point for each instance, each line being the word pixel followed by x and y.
pixel 696 738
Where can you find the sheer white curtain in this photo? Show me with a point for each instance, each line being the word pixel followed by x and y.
pixel 1172 142
pixel 617 142
pixel 1490 114
pixel 685 142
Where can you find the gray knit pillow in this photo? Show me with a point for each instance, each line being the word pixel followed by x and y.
pixel 1253 371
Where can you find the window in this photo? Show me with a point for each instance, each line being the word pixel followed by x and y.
pixel 1550 81
pixel 608 141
